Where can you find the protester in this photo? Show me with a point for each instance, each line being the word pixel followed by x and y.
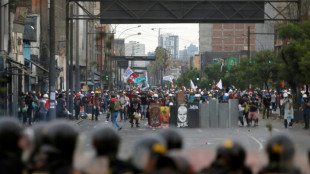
pixel 306 110
pixel 114 107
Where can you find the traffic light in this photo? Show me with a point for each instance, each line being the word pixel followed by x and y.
pixel 197 77
pixel 269 61
pixel 106 77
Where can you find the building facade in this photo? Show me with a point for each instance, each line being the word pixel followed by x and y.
pixel 171 43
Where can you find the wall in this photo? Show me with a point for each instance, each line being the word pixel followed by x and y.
pixel 205 37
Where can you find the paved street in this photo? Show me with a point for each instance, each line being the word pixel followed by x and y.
pixel 200 143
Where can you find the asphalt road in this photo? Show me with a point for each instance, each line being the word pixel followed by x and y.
pixel 200 144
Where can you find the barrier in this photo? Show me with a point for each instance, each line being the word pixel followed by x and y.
pixel 211 115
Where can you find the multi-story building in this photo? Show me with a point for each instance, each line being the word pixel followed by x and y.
pixel 134 48
pixel 192 50
pixel 171 43
pixel 231 40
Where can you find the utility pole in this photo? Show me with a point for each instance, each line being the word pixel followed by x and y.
pixel 71 64
pixel 86 53
pixel 77 58
pixel 249 44
pixel 67 51
pixel 52 95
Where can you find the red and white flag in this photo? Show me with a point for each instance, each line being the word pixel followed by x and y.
pixel 171 84
pixel 132 78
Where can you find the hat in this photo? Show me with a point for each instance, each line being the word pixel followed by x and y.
pixel 92 92
pixel 77 94
pixel 45 96
pixel 304 96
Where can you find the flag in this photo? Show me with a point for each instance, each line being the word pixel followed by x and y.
pixel 219 84
pixel 132 78
pixel 146 80
pixel 193 86
pixel 172 84
pixel 196 87
pixel 139 79
pixel 127 73
pixel 222 67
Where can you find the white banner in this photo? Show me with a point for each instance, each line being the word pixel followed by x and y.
pixel 127 73
pixel 167 78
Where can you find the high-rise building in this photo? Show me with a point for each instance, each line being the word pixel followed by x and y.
pixel 134 48
pixel 192 50
pixel 171 43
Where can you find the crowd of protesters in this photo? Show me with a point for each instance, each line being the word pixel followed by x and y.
pixel 54 147
pixel 133 105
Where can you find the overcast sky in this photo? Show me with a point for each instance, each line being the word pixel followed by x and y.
pixel 188 34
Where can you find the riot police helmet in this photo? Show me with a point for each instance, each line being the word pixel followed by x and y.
pixel 105 141
pixel 173 138
pixel 280 148
pixel 59 138
pixel 10 134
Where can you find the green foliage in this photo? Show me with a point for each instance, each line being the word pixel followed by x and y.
pixel 295 56
pixel 185 78
pixel 259 73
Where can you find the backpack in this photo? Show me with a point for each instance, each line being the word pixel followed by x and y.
pixel 117 106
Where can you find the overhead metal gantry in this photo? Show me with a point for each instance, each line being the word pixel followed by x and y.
pixel 193 11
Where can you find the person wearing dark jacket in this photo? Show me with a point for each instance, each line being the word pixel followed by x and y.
pixel 134 110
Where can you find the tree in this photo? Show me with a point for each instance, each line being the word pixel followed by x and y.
pixel 158 67
pixel 295 56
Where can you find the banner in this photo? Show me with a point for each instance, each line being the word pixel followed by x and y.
pixel 127 73
pixel 164 115
pixel 154 115
pixel 167 78
pixel 139 79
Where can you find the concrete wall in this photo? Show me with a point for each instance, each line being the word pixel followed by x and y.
pixel 205 37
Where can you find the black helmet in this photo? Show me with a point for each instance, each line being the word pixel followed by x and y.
pixel 147 147
pixel 60 138
pixel 173 138
pixel 10 134
pixel 280 149
pixel 105 141
pixel 232 153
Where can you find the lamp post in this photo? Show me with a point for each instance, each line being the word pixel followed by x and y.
pixel 128 29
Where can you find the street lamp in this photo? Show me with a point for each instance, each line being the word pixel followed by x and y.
pixel 128 29
pixel 132 35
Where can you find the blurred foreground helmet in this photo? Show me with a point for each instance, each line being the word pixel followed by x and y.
pixel 280 149
pixel 97 92
pixel 304 96
pixel 173 139
pixel 231 154
pixel 146 148
pixel 285 95
pixel 105 141
pixel 45 96
pixel 59 138
pixel 10 134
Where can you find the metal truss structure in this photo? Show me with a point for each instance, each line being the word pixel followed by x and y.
pixel 193 11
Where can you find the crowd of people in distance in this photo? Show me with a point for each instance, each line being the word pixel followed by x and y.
pixel 133 104
pixel 51 147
